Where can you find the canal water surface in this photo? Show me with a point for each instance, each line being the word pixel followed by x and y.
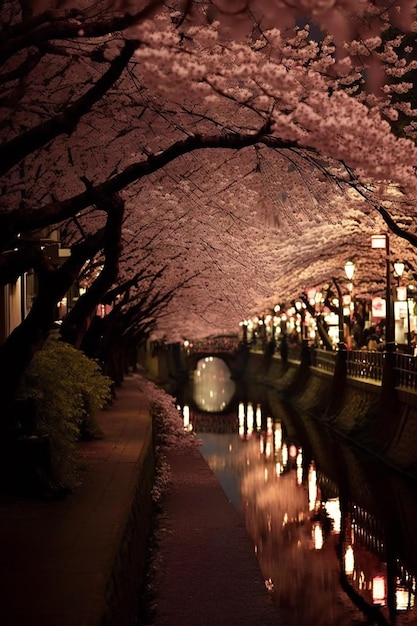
pixel 334 530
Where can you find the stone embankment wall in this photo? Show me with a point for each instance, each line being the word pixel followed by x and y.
pixel 354 408
pixel 131 550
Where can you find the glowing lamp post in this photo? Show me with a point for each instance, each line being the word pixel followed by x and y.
pixel 399 268
pixel 402 295
pixel 381 242
pixel 349 270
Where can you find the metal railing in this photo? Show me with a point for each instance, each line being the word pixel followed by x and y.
pixel 406 371
pixel 215 344
pixel 365 364
pixel 323 359
pixel 368 365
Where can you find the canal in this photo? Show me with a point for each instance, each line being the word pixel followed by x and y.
pixel 333 528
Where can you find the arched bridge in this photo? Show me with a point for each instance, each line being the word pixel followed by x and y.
pixel 229 349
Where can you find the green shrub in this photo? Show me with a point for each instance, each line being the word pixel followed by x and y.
pixel 65 390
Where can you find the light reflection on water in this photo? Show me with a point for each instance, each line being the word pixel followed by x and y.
pixel 213 388
pixel 300 518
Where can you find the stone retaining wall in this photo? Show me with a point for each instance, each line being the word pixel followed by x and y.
pixel 360 414
pixel 129 567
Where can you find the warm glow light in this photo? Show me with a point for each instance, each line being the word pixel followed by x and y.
pixel 379 241
pixel 284 454
pixel 378 590
pixel 332 507
pixel 404 599
pixel 399 268
pixel 250 418
pixel 258 417
pixel 317 536
pixel 312 487
pixel 278 436
pixel 241 419
pixel 186 415
pixel 378 307
pixel 349 561
pixel 402 294
pixel 349 270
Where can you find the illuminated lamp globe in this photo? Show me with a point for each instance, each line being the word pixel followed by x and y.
pixel 349 270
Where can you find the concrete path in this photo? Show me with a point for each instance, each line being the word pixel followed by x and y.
pixel 207 573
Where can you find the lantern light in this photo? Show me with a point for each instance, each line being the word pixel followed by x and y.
pixel 349 270
pixel 399 268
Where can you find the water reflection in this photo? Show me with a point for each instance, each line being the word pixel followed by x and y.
pixel 213 388
pixel 333 530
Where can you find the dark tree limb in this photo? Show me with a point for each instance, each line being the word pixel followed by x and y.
pixel 13 151
pixel 75 324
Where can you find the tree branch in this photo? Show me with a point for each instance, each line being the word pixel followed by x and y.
pixel 26 220
pixel 20 147
pixel 67 25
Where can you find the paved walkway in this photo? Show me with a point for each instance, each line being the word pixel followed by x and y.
pixel 207 572
pixel 56 557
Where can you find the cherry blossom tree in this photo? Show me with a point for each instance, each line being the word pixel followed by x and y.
pixel 198 173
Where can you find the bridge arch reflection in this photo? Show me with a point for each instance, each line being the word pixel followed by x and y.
pixel 213 388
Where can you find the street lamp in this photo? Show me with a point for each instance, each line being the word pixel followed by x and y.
pixel 402 295
pixel 349 270
pixel 381 242
pixel 399 268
